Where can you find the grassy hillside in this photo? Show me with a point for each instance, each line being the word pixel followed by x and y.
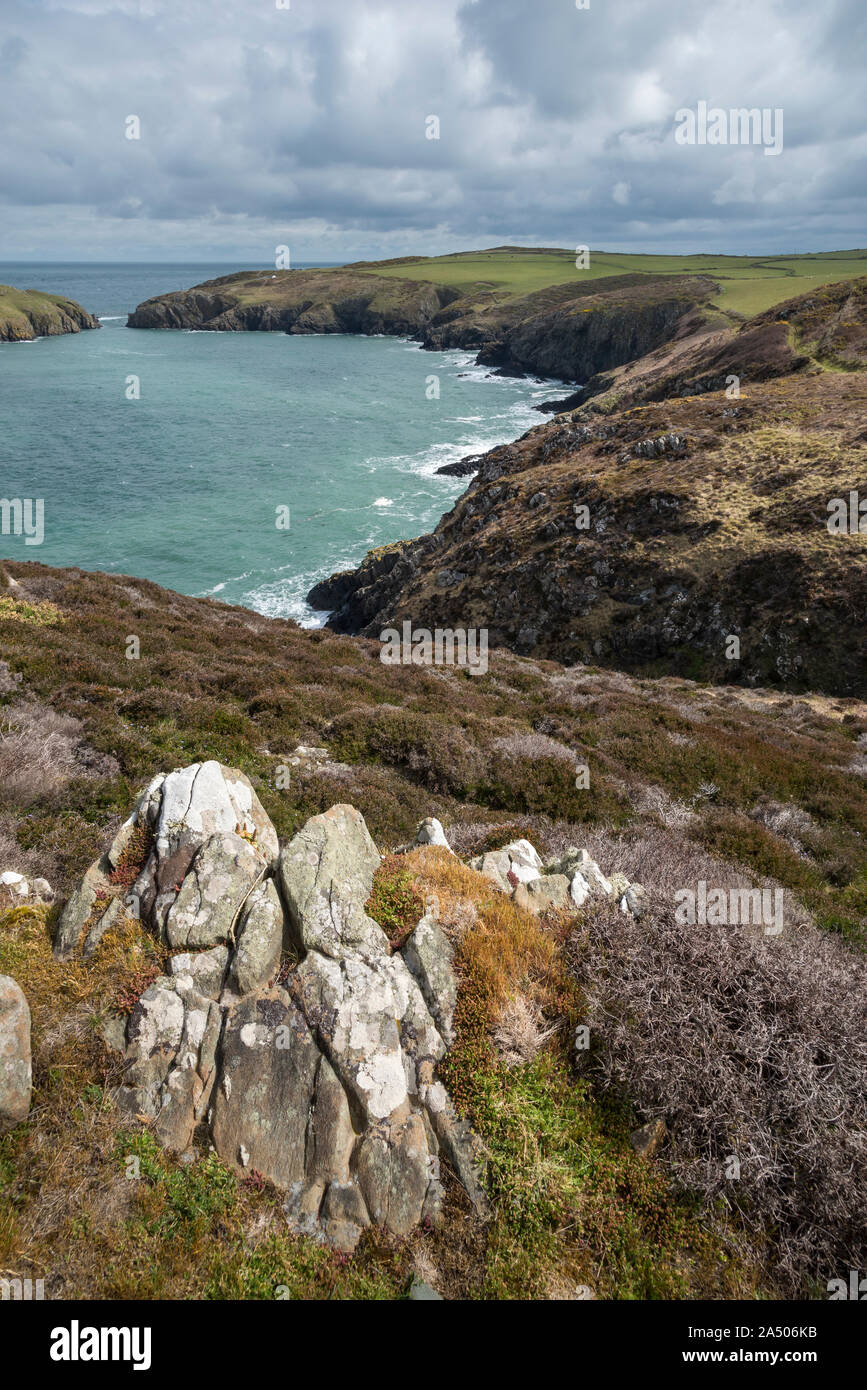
pixel 687 781
pixel 748 284
pixel 28 314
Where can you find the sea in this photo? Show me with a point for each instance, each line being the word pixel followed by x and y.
pixel 244 466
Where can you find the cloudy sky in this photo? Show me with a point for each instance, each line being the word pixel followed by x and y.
pixel 307 126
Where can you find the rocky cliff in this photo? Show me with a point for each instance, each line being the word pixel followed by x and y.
pixel 27 314
pixel 665 516
pixel 566 331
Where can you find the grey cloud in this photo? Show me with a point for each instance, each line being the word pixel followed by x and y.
pixel 307 125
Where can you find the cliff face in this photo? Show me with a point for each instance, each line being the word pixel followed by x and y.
pixel 826 328
pixel 28 314
pixel 340 301
pixel 648 538
pixel 567 331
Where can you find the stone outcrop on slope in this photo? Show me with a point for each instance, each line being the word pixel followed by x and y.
pixel 16 1073
pixel 320 1075
pixel 562 885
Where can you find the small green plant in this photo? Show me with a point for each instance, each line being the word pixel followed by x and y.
pixel 395 902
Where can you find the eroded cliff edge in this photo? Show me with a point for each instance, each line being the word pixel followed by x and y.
pixel 29 314
pixel 665 515
pixel 565 331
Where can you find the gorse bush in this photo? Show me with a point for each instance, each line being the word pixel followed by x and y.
pixel 755 1050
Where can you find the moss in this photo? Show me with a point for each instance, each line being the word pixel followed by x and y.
pixel 394 901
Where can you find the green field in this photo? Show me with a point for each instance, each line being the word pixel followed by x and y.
pixel 748 284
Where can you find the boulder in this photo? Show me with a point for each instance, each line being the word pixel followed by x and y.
pixel 184 810
pixel 15 885
pixel 259 940
pixel 430 832
pixel 371 1020
pixel 79 910
pixel 646 1140
pixel 265 1092
pixel 579 889
pixel 394 1172
pixel 428 955
pixel 515 863
pixel 203 971
pixel 543 894
pixel 635 900
pixel 16 1073
pixel 419 1291
pixel 222 874
pixel 326 873
pixel 206 799
pixel 170 1058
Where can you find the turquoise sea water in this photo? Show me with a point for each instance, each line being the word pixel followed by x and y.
pixel 182 485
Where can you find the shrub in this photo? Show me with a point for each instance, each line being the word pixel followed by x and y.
pixel 753 1047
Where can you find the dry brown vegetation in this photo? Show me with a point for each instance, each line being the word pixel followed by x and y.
pixel 687 781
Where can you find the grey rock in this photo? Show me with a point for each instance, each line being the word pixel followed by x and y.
pixel 549 891
pixel 646 1140
pixel 430 832
pixel 420 1292
pixel 344 1202
pixel 16 1072
pixel 635 900
pixel 326 873
pixel 263 1098
pixel 223 872
pixel 518 859
pixel 394 1171
pixel 78 911
pixel 207 799
pixel 366 1015
pixel 428 955
pixel 205 970
pixel 259 939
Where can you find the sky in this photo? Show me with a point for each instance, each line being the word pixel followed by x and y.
pixel 312 124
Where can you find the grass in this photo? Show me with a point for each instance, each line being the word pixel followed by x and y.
pixel 573 1204
pixel 25 314
pixel 226 683
pixel 35 614
pixel 747 284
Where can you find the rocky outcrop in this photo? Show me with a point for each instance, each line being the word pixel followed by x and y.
pixel 298 301
pixel 568 331
pixel 16 1074
pixel 562 885
pixel 646 539
pixel 286 1027
pixel 207 843
pixel 16 890
pixel 28 314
